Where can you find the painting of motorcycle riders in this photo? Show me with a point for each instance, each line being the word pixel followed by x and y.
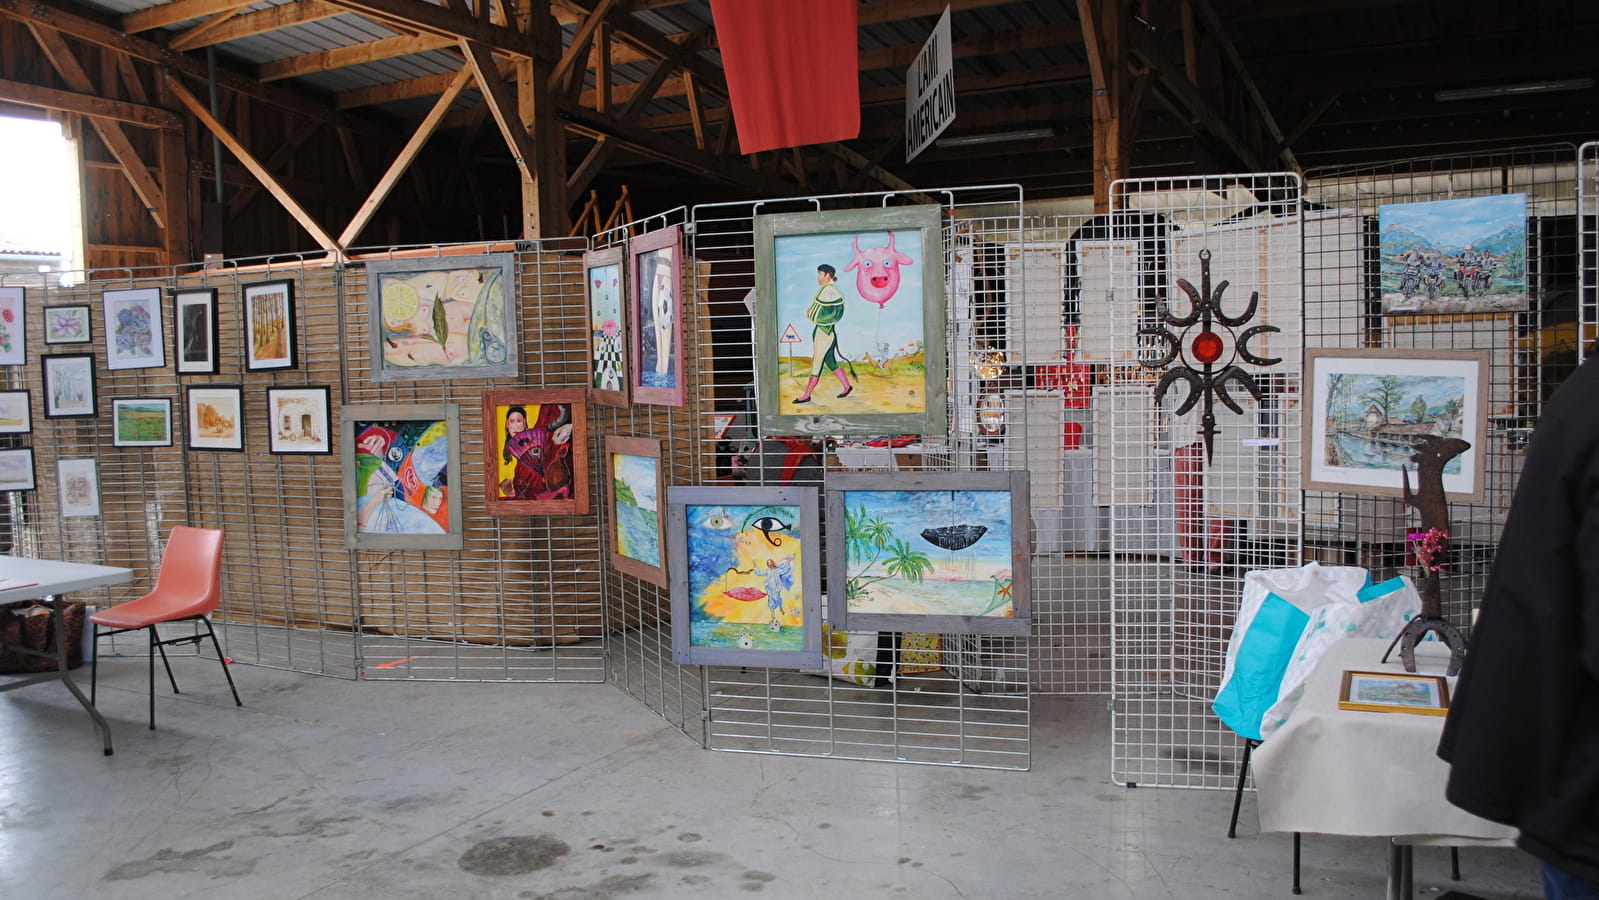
pixel 1467 255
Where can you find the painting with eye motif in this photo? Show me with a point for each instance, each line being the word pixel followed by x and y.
pixel 745 567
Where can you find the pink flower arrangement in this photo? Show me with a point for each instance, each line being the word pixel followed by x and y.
pixel 1431 548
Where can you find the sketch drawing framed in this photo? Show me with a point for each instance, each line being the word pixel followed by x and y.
pixel 134 338
pixel 13 328
pixel 16 469
pixel 194 332
pixel 1467 255
pixel 1366 408
pixel 940 553
pixel 68 323
pixel 442 317
pixel 141 422
pixel 655 314
pixel 68 386
pixel 269 333
pixel 535 452
pixel 1426 695
pixel 608 345
pixel 402 476
pixel 78 488
pixel 16 412
pixel 298 421
pixel 745 567
pixel 215 416
pixel 634 492
pixel 849 322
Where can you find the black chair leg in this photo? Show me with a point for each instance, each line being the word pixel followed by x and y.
pixel 94 662
pixel 222 661
pixel 162 646
pixel 1296 864
pixel 1238 792
pixel 1454 863
pixel 153 646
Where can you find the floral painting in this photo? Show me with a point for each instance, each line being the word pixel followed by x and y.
pixel 133 332
pixel 13 344
pixel 68 324
pixel 442 317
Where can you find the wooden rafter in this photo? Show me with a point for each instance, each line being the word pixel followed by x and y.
pixel 566 69
pixel 110 132
pixel 1218 32
pixel 162 15
pixel 502 105
pixel 90 105
pixel 438 20
pixel 284 151
pixel 261 21
pixel 353 55
pixel 597 156
pixel 195 36
pixel 277 190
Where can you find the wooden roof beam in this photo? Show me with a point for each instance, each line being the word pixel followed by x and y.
pixel 92 106
pixel 438 20
pixel 353 55
pixel 164 14
pixel 250 24
pixel 1218 33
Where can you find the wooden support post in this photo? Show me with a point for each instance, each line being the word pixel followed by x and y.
pixel 1105 38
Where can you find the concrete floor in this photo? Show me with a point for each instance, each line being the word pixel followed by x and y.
pixel 325 788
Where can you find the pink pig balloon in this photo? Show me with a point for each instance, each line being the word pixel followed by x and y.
pixel 877 270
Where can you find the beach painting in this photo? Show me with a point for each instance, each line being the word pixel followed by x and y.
pixel 745 566
pixel 1467 255
pixel 634 490
pixel 929 552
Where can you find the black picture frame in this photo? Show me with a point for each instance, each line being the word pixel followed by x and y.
pixel 69 389
pixel 194 331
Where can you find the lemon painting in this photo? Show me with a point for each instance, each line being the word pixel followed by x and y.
pixel 443 321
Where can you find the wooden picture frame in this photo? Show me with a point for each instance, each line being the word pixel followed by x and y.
pixel 298 420
pixel 68 386
pixel 605 286
pixel 635 494
pixel 1426 695
pixel 889 345
pixel 16 470
pixel 68 323
pixel 194 332
pixel 270 341
pixel 16 412
pixel 78 488
pixel 442 317
pixel 13 327
pixel 134 338
pixel 655 317
pixel 540 468
pixel 141 422
pixel 402 476
pixel 215 416
pixel 746 578
pixel 941 552
pixel 1365 406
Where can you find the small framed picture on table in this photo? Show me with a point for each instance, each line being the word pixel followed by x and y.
pixel 1426 695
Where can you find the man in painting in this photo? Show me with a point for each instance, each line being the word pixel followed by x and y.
pixel 1523 724
pixel 827 309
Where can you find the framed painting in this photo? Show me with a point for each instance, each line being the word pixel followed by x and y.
pixel 402 469
pixel 141 422
pixel 68 324
pixel 78 488
pixel 194 332
pixel 133 332
pixel 1368 408
pixel 215 417
pixel 16 412
pixel 535 452
pixel 745 567
pixel 849 322
pixel 944 553
pixel 298 420
pixel 634 489
pixel 16 469
pixel 655 313
pixel 1467 255
pixel 269 326
pixel 1426 695
pixel 13 328
pixel 442 317
pixel 68 386
pixel 608 346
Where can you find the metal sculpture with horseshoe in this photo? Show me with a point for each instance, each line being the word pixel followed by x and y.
pixel 1207 367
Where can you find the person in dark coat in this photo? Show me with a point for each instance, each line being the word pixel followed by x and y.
pixel 1522 736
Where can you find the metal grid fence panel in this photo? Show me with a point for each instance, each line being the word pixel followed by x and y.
pixel 1587 246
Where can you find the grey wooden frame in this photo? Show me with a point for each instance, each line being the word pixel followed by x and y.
pixel 777 414
pixel 378 269
pixel 679 551
pixel 840 489
pixel 350 417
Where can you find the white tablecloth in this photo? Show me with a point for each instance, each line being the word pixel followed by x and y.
pixel 1338 771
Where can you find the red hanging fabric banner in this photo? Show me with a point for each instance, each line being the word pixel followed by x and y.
pixel 793 74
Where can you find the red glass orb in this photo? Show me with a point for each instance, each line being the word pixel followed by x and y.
pixel 1207 347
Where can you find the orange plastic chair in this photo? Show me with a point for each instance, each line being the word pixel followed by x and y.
pixel 188 587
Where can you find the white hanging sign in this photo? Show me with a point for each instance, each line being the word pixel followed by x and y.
pixel 930 90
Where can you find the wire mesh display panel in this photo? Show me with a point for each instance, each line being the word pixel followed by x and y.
pixel 1195 327
pixel 1587 246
